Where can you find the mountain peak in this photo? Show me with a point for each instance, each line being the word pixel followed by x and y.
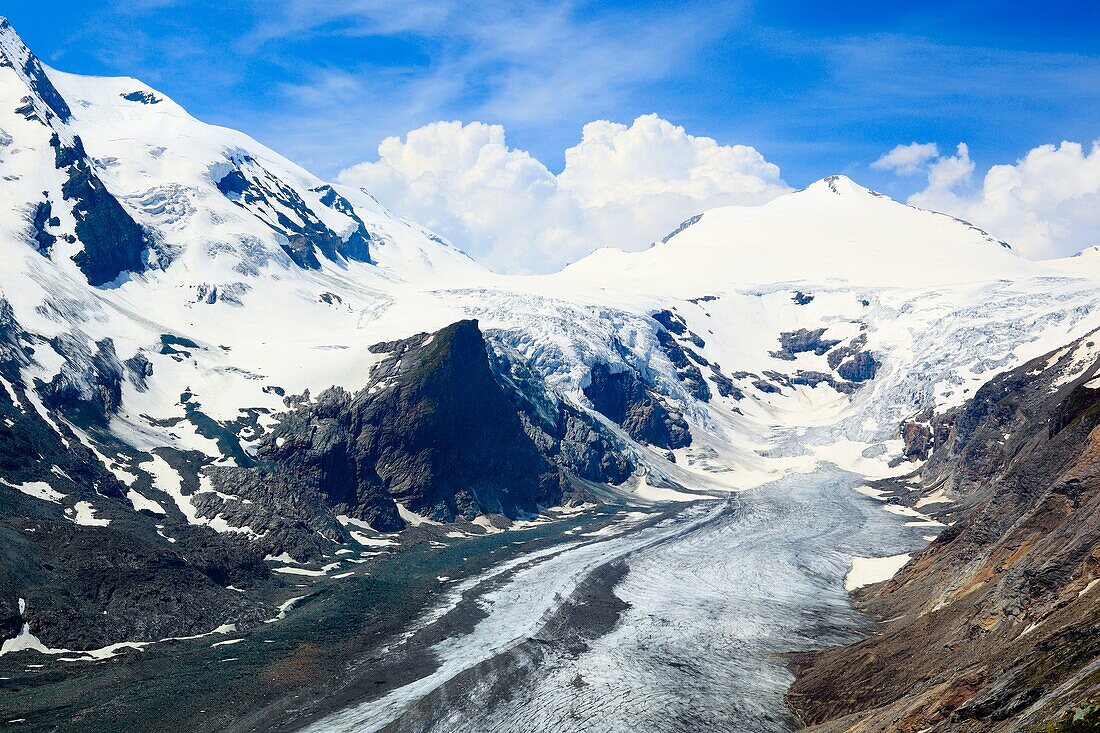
pixel 839 185
pixel 44 98
pixel 832 230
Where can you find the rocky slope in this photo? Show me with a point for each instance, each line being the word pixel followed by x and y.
pixel 82 569
pixel 440 428
pixel 996 625
pixel 438 431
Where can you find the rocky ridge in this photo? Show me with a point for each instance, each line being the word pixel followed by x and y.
pixel 996 625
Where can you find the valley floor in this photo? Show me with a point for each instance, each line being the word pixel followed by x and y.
pixel 708 599
pixel 675 618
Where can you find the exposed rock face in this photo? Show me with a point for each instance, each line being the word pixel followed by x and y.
pixel 765 386
pixel 141 97
pixel 690 222
pixel 568 436
pixel 29 68
pixel 356 246
pixel 918 441
pixel 41 221
pixel 686 370
pixel 113 242
pixel 89 382
pixel 252 187
pixel 683 358
pixel 810 378
pixel 675 324
pixel 801 341
pixel 859 368
pixel 724 384
pixel 439 432
pixel 996 625
pixel 852 363
pixel 625 399
pixel 802 377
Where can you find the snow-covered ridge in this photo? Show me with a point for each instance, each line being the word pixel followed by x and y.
pixel 832 231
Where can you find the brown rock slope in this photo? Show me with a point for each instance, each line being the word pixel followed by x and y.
pixel 996 625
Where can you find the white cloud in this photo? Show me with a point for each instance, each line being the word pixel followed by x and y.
pixel 908 159
pixel 950 171
pixel 1047 204
pixel 622 186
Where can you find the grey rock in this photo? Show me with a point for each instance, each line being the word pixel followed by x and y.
pixel 625 399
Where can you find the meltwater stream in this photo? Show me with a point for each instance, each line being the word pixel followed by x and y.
pixel 716 594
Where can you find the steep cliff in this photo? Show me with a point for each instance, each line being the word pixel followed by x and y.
pixel 438 432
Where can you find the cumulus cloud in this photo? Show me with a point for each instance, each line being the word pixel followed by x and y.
pixel 908 159
pixel 621 186
pixel 947 172
pixel 1047 204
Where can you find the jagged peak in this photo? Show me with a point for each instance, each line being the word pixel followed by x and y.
pixel 47 101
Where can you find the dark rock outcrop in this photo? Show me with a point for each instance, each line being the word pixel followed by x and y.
pixel 89 382
pixel 766 387
pixel 686 371
pixel 683 358
pixel 569 437
pixel 675 324
pixel 625 399
pixel 859 368
pixel 84 586
pixel 252 187
pixel 141 97
pixel 445 429
pixel 802 341
pixel 724 384
pixel 41 221
pixel 918 441
pixel 31 70
pixel 357 245
pixel 687 223
pixel 113 242
pixel 852 363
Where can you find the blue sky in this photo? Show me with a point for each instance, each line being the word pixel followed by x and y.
pixel 818 87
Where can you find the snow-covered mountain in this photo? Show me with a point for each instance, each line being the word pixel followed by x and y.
pixel 833 230
pixel 177 303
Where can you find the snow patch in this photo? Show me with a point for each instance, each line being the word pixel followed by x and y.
pixel 37 489
pixel 139 502
pixel 83 513
pixel 869 570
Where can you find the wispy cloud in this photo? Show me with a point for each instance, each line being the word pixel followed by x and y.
pixel 907 160
pixel 537 67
